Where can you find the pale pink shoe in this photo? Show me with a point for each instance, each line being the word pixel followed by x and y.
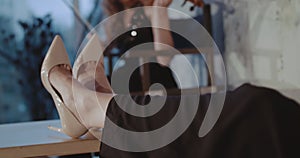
pixel 57 55
pixel 91 53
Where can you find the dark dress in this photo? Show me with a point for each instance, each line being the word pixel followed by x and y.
pixel 255 122
pixel 158 74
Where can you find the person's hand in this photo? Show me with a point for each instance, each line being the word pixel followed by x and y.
pixel 162 3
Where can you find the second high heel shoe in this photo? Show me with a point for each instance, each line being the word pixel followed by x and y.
pixel 91 54
pixel 56 56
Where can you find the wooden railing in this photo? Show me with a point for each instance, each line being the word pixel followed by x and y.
pixel 34 139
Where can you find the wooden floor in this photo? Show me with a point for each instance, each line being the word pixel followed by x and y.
pixel 34 139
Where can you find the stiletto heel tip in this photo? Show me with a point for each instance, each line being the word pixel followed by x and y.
pixel 55 129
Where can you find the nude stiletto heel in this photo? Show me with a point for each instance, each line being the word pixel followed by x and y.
pixel 57 55
pixel 91 53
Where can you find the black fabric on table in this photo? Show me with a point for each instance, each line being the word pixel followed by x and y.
pixel 255 122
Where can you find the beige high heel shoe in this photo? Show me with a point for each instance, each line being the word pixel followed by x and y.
pixel 91 53
pixel 57 55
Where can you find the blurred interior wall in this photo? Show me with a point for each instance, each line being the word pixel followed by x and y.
pixel 262 44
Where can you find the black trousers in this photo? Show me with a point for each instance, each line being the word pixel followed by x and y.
pixel 255 122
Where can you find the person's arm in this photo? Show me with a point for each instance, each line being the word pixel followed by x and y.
pixel 162 38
